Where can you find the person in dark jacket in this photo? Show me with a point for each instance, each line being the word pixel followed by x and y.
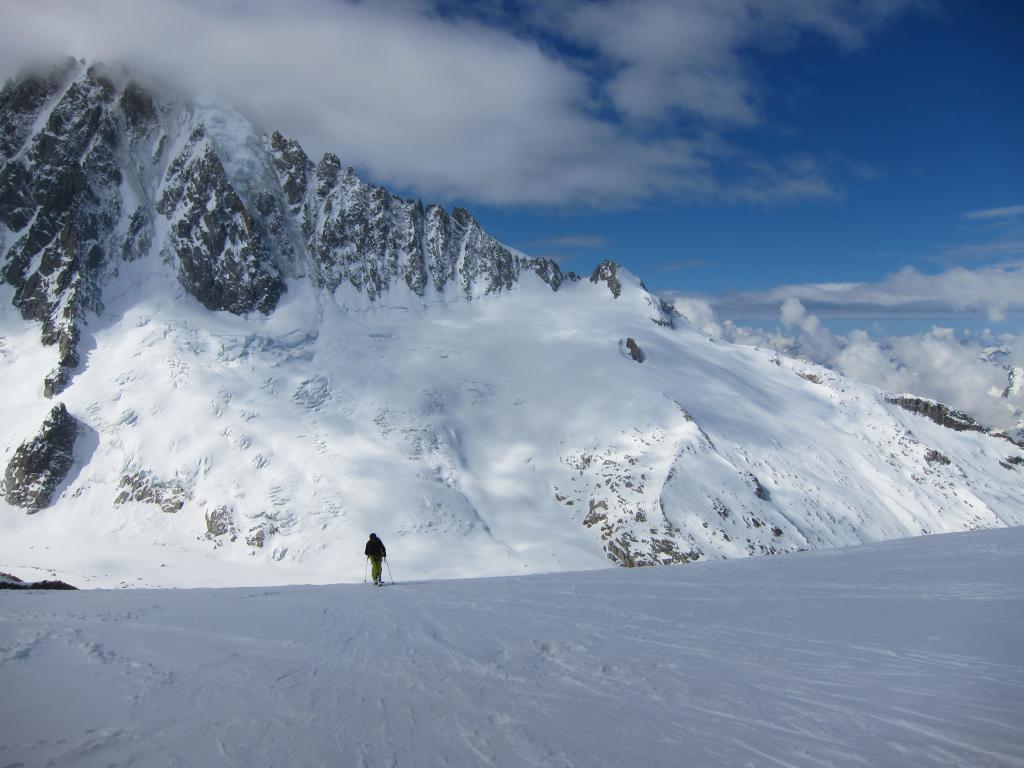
pixel 376 552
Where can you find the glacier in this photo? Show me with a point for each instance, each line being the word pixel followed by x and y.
pixel 266 358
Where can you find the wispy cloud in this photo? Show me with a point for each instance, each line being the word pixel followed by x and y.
pixel 571 241
pixel 1007 212
pixel 983 250
pixel 681 264
pixel 458 101
pixel 993 291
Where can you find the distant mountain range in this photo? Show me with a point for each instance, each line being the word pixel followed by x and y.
pixel 224 363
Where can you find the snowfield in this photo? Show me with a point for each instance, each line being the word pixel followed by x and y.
pixel 905 653
pixel 252 360
pixel 507 435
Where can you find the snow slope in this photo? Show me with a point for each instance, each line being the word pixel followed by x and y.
pixel 267 358
pixel 509 434
pixel 901 653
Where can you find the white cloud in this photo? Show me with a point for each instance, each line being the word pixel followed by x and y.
pixel 672 56
pixel 994 291
pixel 464 106
pixel 1006 212
pixel 792 311
pixel 984 250
pixel 966 370
pixel 699 313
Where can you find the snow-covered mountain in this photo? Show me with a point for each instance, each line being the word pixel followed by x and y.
pixel 248 361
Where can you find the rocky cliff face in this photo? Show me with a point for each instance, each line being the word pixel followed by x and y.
pixel 40 464
pixel 97 170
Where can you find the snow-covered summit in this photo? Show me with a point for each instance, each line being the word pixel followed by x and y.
pixel 265 358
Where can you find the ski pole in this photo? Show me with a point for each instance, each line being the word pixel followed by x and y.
pixel 366 569
pixel 389 570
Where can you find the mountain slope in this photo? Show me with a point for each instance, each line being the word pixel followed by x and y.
pixel 901 653
pixel 266 358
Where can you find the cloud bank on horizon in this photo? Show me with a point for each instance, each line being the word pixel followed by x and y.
pixel 604 104
pixel 979 372
pixel 995 292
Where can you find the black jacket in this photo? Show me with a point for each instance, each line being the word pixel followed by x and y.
pixel 375 548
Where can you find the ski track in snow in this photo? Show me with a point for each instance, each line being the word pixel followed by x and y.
pixel 900 653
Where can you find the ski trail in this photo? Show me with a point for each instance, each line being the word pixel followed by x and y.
pixel 892 654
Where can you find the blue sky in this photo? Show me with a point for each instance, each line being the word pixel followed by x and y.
pixel 916 129
pixel 743 151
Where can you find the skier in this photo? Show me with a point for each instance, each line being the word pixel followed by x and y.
pixel 376 552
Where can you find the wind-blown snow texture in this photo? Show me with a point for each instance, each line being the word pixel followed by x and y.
pixel 906 653
pixel 266 358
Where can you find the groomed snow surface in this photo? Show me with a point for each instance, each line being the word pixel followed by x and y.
pixel 903 653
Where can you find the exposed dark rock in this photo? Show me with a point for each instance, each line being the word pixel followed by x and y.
pixel 607 272
pixel 7 581
pixel 666 314
pixel 811 377
pixel 935 457
pixel 634 350
pixel 626 550
pixel 619 551
pixel 223 258
pixel 257 536
pixel 941 414
pixel 40 464
pixel 759 490
pixel 22 99
pixel 57 380
pixel 1012 462
pixel 137 105
pixel 293 169
pixel 220 523
pixel 62 195
pixel 597 513
pixel 143 486
pixel 362 235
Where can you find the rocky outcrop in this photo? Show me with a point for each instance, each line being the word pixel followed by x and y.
pixel 220 524
pixel 7 581
pixel 364 236
pixel 943 415
pixel 223 257
pixel 40 464
pixel 144 487
pixel 635 353
pixel 607 272
pixel 257 535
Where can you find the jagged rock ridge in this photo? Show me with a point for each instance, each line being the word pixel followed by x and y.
pixel 95 166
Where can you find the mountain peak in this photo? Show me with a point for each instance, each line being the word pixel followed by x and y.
pixel 95 167
pixel 259 358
